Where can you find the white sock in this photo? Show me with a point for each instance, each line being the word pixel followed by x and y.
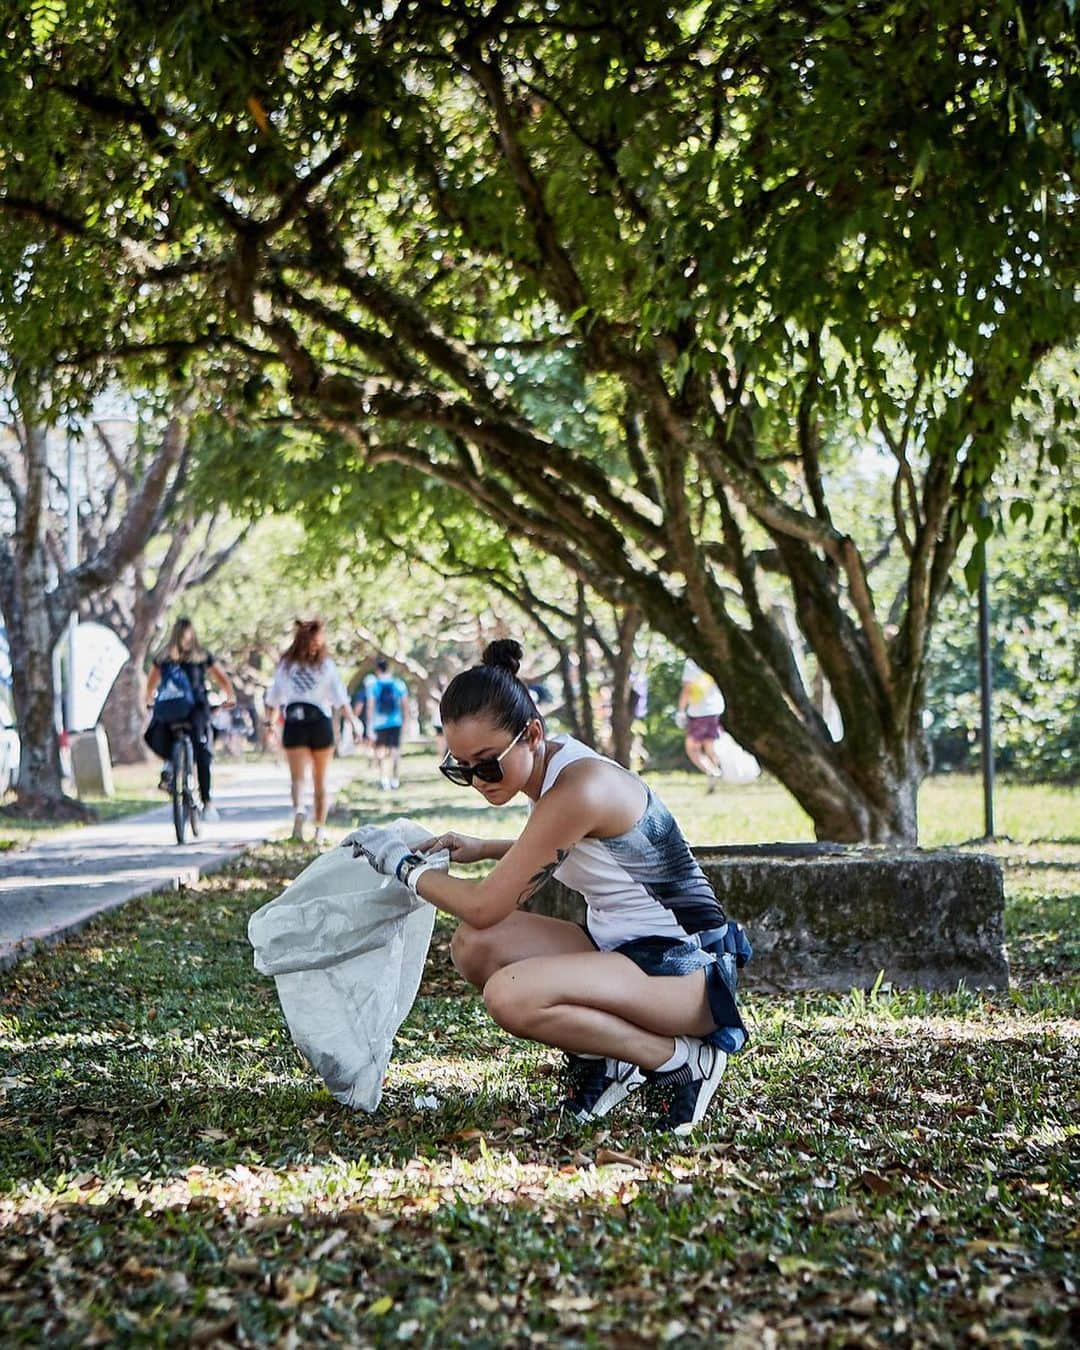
pixel 680 1056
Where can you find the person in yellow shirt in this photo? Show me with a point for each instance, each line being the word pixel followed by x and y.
pixel 700 707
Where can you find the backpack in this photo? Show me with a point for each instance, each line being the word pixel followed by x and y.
pixel 386 698
pixel 175 698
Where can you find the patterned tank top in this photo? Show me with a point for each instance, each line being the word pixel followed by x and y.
pixel 643 883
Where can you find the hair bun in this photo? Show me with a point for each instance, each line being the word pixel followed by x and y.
pixel 504 653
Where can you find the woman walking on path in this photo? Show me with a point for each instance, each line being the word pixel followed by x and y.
pixel 186 651
pixel 701 705
pixel 643 994
pixel 307 685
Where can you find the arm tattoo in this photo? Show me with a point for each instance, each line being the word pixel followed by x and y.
pixel 538 878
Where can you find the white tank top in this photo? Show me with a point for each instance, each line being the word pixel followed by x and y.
pixel 643 883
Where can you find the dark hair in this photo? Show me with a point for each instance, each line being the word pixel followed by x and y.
pixel 308 647
pixel 183 643
pixel 382 663
pixel 491 689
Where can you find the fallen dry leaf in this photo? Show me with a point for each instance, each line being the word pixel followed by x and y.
pixel 845 1214
pixel 241 1265
pixel 330 1244
pixel 300 1287
pixel 607 1157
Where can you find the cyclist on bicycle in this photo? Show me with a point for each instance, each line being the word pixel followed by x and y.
pixel 185 651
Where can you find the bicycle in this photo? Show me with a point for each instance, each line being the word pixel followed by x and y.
pixel 185 807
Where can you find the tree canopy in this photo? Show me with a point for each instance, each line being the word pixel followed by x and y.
pixel 637 278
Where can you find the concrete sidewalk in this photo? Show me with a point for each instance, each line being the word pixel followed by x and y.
pixel 61 882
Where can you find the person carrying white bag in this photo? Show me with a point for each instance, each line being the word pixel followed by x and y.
pixel 643 995
pixel 346 947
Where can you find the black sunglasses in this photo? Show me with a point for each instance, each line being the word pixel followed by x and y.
pixel 487 770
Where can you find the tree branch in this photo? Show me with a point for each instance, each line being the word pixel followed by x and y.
pixel 140 519
pixel 565 281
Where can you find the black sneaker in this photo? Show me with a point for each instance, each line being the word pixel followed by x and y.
pixel 595 1086
pixel 165 781
pixel 682 1096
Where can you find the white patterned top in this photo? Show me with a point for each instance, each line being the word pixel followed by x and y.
pixel 319 685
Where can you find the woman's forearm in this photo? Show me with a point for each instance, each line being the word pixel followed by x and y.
pixel 494 849
pixel 464 899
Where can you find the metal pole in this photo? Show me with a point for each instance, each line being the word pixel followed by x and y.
pixel 986 699
pixel 72 562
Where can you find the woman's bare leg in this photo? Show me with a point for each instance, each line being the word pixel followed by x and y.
pixel 478 953
pixel 702 755
pixel 298 757
pixel 599 1003
pixel 320 759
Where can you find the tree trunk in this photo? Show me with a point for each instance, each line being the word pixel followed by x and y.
pixel 36 608
pixel 124 715
pixel 32 639
pixel 588 722
pixel 570 708
pixel 622 696
pixel 889 816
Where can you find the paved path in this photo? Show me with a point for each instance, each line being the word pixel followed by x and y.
pixel 61 882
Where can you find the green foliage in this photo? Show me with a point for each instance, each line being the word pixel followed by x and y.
pixel 640 279
pixel 663 739
pixel 1035 648
pixel 1033 584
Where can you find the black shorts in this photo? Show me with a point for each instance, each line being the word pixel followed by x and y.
pixel 388 736
pixel 306 725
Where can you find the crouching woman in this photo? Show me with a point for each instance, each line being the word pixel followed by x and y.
pixel 643 993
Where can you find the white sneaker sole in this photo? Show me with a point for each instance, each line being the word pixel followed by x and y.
pixel 705 1096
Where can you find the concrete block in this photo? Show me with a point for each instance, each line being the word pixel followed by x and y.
pixel 824 916
pixel 91 766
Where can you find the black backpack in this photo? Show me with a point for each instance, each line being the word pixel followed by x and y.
pixel 386 698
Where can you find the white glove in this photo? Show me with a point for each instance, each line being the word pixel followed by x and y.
pixel 388 853
pixel 680 718
pixel 370 839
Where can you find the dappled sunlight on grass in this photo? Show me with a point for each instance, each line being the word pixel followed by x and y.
pixel 172 1171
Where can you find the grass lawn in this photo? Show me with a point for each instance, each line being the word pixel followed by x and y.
pixel 893 1170
pixel 135 790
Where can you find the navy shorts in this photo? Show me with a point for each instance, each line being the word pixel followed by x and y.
pixel 671 956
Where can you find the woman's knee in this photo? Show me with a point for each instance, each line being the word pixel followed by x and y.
pixel 507 999
pixel 471 953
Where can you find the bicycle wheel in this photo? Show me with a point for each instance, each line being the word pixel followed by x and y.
pixel 191 802
pixel 194 814
pixel 180 760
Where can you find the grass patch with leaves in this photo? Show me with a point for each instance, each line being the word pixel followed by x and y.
pixel 135 790
pixel 891 1168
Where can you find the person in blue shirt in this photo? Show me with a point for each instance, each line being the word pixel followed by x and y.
pixel 361 693
pixel 385 719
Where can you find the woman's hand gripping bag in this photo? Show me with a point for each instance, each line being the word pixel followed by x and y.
pixel 346 948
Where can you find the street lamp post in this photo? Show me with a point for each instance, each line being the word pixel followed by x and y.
pixel 986 698
pixel 72 562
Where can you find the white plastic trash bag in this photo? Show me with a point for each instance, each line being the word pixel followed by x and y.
pixel 346 947
pixel 736 764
